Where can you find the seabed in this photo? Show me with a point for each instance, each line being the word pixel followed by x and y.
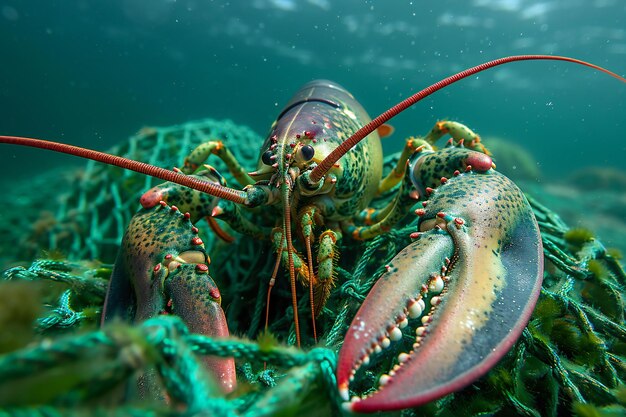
pixel 55 360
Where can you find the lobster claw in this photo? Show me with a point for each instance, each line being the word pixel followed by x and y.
pixel 465 289
pixel 162 268
pixel 193 296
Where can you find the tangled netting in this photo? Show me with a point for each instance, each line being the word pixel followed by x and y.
pixel 84 213
pixel 568 360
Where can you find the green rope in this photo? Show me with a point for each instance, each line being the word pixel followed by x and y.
pixel 45 356
pixel 49 411
pixel 88 286
pixel 164 342
pixel 184 377
pixel 61 317
pixel 542 375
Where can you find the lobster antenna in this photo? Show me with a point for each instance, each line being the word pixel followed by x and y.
pixel 323 167
pixel 213 189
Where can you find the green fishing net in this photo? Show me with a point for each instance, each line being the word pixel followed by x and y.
pixel 56 361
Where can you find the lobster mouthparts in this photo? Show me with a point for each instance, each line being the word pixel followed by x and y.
pixel 453 302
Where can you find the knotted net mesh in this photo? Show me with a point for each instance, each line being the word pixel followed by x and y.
pixel 570 358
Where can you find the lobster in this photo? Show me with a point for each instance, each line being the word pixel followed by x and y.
pixel 466 285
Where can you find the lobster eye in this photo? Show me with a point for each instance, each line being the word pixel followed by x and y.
pixel 267 157
pixel 307 152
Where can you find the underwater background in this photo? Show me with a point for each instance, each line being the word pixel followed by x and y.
pixel 93 73
pixel 152 79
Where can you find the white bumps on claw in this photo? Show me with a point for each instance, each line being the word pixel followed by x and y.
pixel 395 334
pixel 384 379
pixel 385 342
pixel 416 308
pixel 344 392
pixel 436 284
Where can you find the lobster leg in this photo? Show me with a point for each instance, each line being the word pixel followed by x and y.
pixel 232 214
pixel 162 268
pixel 198 156
pixel 381 221
pixel 197 204
pixel 280 246
pixel 466 287
pixel 459 132
pixel 397 173
pixel 327 255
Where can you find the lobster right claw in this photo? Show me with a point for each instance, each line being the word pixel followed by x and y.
pixel 466 287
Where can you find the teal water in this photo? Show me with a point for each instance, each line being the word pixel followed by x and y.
pixel 92 73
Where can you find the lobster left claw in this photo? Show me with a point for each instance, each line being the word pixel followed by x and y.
pixel 162 268
pixel 466 288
